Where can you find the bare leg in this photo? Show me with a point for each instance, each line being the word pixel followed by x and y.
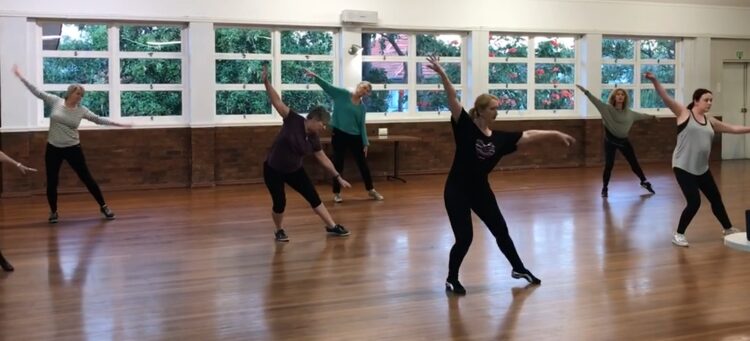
pixel 278 219
pixel 322 212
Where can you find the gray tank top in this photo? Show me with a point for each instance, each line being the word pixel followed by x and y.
pixel 693 146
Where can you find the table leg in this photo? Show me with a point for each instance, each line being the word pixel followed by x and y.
pixel 395 164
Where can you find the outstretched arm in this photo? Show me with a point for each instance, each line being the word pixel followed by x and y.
pixel 328 165
pixel 453 104
pixel 723 127
pixel 531 136
pixel 273 96
pixel 21 168
pixel 639 116
pixel 601 106
pixel 676 108
pixel 47 98
pixel 329 89
pixel 88 115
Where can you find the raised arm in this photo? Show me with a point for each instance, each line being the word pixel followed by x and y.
pixel 273 96
pixel 677 108
pixel 328 165
pixel 601 106
pixel 329 89
pixel 47 98
pixel 531 136
pixel 21 168
pixel 723 127
pixel 453 104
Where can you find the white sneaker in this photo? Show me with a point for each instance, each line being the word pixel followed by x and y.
pixel 731 230
pixel 374 195
pixel 337 198
pixel 679 240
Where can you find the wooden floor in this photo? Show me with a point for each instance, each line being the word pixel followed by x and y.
pixel 201 264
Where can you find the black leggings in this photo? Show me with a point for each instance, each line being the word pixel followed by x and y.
pixel 342 141
pixel 298 180
pixel 53 159
pixel 611 145
pixel 460 200
pixel 691 186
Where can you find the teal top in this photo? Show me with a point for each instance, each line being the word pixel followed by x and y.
pixel 618 122
pixel 347 116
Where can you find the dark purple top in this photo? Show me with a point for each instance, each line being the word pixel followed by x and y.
pixel 292 144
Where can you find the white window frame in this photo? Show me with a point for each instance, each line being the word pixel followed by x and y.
pixel 637 62
pixel 531 86
pixel 114 87
pixel 411 86
pixel 275 58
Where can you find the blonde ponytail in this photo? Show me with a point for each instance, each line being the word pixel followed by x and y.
pixel 482 102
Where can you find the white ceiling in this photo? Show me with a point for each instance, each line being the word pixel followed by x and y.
pixel 735 3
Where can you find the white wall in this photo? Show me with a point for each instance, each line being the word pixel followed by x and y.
pixel 724 49
pixel 593 16
pixel 698 23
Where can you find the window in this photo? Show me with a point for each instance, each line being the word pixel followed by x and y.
pixel 395 64
pixel 543 80
pixel 241 54
pixel 77 54
pixel 127 70
pixel 150 70
pixel 623 57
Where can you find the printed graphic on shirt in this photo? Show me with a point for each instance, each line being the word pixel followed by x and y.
pixel 484 150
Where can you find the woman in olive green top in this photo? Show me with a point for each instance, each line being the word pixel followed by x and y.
pixel 349 131
pixel 618 119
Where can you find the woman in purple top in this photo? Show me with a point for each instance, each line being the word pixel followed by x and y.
pixel 23 169
pixel 467 189
pixel 298 137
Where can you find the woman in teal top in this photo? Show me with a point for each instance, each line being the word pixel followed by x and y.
pixel 348 131
pixel 617 119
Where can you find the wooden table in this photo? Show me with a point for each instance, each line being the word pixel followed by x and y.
pixel 395 139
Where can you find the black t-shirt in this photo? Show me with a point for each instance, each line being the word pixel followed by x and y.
pixel 292 144
pixel 476 153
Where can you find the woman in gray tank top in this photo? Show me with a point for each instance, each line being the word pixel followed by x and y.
pixel 695 132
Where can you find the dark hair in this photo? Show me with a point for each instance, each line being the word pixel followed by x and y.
pixel 319 113
pixel 697 94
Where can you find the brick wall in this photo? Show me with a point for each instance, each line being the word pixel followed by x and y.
pixel 183 157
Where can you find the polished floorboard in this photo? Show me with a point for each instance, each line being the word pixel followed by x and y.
pixel 201 264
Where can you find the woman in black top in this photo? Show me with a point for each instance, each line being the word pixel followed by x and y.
pixel 23 169
pixel 478 150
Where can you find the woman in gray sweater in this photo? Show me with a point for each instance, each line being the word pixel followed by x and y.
pixel 63 143
pixel 618 119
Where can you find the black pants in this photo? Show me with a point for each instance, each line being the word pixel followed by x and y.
pixel 298 180
pixel 342 141
pixel 611 145
pixel 691 186
pixel 53 159
pixel 460 200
